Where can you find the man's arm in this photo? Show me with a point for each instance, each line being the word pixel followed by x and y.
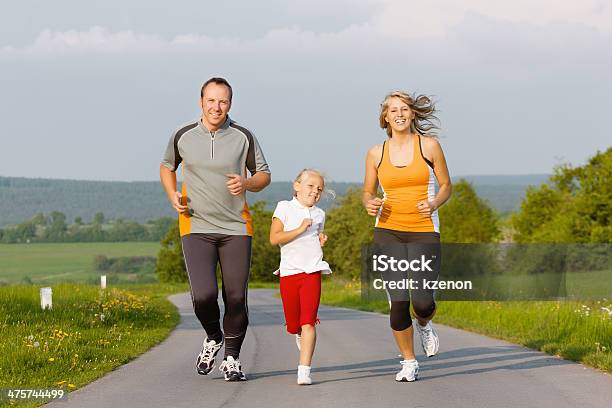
pixel 237 184
pixel 168 181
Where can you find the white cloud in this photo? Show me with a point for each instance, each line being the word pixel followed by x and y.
pixel 394 22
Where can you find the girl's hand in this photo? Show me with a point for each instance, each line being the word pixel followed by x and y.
pixel 426 208
pixel 306 223
pixel 322 239
pixel 373 205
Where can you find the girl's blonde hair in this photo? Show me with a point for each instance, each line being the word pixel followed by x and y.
pixel 316 172
pixel 423 108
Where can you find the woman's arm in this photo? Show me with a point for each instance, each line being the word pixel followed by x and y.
pixel 280 237
pixel 370 182
pixel 433 152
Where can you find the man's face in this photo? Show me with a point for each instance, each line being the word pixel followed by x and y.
pixel 215 105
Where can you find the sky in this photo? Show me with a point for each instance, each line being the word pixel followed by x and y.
pixel 93 90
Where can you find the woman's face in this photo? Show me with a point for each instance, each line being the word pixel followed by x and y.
pixel 399 115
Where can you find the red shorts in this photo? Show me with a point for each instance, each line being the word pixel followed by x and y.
pixel 301 294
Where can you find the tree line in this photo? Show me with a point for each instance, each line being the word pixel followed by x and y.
pixel 54 228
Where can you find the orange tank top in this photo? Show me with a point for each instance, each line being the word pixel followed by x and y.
pixel 403 188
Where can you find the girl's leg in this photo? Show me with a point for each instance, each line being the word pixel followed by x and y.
pixel 291 302
pixel 307 344
pixel 310 296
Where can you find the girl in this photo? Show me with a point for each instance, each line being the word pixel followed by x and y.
pixel 405 166
pixel 297 226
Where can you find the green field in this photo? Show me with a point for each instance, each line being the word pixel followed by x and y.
pixel 70 262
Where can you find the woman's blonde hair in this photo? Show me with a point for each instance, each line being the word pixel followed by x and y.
pixel 316 172
pixel 423 108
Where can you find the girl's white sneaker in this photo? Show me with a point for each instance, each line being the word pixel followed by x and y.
pixel 303 376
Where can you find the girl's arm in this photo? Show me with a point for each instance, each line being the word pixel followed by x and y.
pixel 280 237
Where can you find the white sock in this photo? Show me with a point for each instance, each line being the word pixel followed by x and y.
pixel 304 370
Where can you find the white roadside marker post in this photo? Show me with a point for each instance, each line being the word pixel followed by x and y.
pixel 103 281
pixel 45 298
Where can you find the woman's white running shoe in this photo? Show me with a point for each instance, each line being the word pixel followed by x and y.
pixel 429 338
pixel 409 372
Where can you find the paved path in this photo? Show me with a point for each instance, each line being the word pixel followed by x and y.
pixel 354 366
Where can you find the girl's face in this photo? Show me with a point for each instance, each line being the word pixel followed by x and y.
pixel 399 115
pixel 308 190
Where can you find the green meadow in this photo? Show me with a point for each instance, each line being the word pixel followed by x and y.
pixel 66 262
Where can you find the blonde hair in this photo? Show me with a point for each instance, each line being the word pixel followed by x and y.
pixel 421 106
pixel 316 172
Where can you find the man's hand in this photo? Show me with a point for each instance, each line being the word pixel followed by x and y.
pixel 236 184
pixel 176 200
pixel 322 238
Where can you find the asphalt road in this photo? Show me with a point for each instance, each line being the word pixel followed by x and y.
pixel 354 366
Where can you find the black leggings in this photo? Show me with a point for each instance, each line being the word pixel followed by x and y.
pixel 423 302
pixel 233 252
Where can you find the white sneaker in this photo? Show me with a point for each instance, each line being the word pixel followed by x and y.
pixel 409 372
pixel 303 376
pixel 206 359
pixel 232 370
pixel 298 338
pixel 429 338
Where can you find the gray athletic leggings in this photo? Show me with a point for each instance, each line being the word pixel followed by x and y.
pixel 233 253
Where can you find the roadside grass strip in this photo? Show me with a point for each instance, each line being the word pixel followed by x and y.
pixel 88 332
pixel 577 331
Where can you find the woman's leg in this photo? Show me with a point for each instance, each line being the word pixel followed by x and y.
pixel 399 315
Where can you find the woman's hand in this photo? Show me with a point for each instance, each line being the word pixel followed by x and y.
pixel 322 239
pixel 426 208
pixel 372 206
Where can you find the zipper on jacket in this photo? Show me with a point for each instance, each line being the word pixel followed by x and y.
pixel 212 145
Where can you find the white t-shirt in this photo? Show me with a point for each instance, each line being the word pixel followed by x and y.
pixel 303 253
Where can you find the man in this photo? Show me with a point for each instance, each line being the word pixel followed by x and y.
pixel 214 219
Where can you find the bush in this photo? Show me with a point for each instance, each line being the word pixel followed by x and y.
pixel 170 266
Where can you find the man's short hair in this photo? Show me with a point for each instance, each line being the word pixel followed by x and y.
pixel 218 81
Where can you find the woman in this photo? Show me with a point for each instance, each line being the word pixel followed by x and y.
pixel 405 166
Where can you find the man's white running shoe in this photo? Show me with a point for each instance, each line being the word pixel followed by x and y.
pixel 429 338
pixel 298 338
pixel 232 370
pixel 206 359
pixel 303 376
pixel 409 372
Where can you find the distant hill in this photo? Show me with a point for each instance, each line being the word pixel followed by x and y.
pixel 22 198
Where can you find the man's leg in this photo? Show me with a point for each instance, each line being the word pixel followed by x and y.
pixel 200 252
pixel 235 260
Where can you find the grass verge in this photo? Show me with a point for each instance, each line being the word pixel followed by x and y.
pixel 86 334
